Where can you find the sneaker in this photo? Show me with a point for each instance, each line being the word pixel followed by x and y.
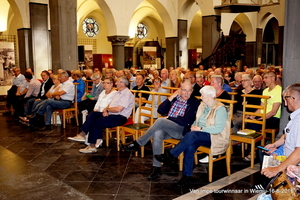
pixel 98 143
pixel 205 159
pixel 77 138
pixel 88 149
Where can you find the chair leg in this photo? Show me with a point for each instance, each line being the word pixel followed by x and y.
pixel 243 150
pixel 196 159
pixel 210 167
pixel 76 117
pixel 142 151
pixel 118 138
pixel 273 135
pixel 228 159
pixel 252 153
pixel 181 162
pixel 64 119
pixel 107 138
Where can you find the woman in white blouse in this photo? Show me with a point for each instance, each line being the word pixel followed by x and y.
pixel 104 99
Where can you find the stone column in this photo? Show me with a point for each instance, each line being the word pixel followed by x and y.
pixel 183 43
pixel 172 56
pixel 64 49
pixel 259 39
pixel 210 34
pixel 25 48
pixel 118 52
pixel 291 49
pixel 39 37
pixel 280 45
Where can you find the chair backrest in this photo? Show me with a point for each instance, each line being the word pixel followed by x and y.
pixel 143 106
pixel 232 94
pixel 262 114
pixel 170 89
pixel 88 86
pixel 229 105
pixel 75 95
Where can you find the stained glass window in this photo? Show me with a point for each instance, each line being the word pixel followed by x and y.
pixel 141 31
pixel 90 27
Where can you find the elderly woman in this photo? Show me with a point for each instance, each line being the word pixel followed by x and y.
pixel 104 99
pixel 157 88
pixel 76 76
pixel 211 128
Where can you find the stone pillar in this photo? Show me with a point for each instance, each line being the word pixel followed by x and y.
pixel 259 39
pixel 64 48
pixel 280 45
pixel 25 48
pixel 39 37
pixel 172 56
pixel 118 52
pixel 250 57
pixel 183 43
pixel 291 49
pixel 210 34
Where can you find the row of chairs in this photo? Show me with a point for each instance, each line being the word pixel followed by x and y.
pixel 137 129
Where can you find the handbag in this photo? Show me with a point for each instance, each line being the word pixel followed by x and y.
pixel 283 187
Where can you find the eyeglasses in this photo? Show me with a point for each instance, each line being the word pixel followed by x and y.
pixel 287 97
pixel 189 91
pixel 245 80
pixel 107 82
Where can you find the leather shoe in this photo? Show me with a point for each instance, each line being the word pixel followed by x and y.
pixel 46 127
pixel 133 146
pixel 166 157
pixel 155 173
pixel 183 181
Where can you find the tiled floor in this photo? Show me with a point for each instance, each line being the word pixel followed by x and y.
pixel 45 165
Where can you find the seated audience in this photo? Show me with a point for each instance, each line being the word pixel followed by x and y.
pixel 238 107
pixel 157 88
pixel 103 100
pixel 31 103
pixel 63 98
pixel 180 109
pixel 175 79
pixel 164 73
pixel 17 81
pixel 89 100
pixel 139 79
pixel 217 82
pixel 273 111
pixel 192 77
pixel 115 114
pixel 258 83
pixel 211 128
pixel 76 76
pixel 32 92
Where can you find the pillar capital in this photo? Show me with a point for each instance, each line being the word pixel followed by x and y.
pixel 118 39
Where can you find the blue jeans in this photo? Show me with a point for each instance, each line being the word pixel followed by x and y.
pixel 50 105
pixel 95 123
pixel 191 141
pixel 162 129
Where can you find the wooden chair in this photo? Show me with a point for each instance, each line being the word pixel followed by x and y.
pixel 88 87
pixel 272 132
pixel 136 128
pixel 67 113
pixel 207 150
pixel 144 131
pixel 258 136
pixel 117 130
